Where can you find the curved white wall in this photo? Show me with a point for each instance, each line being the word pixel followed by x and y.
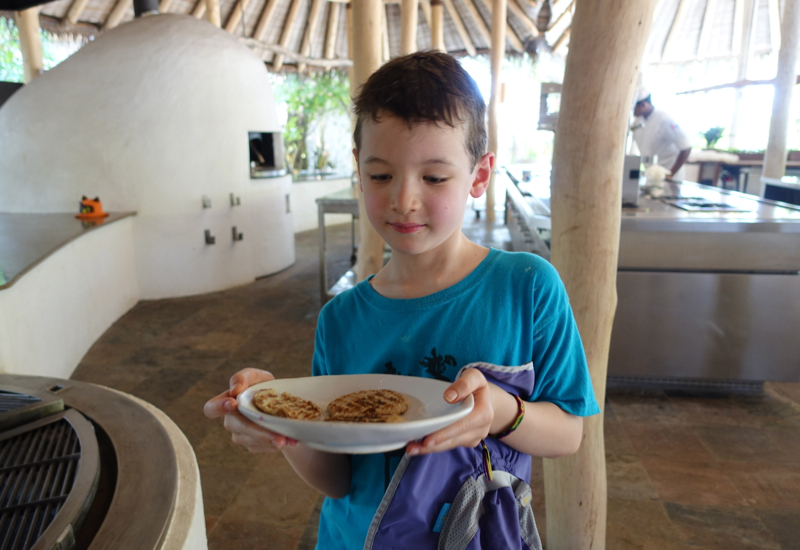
pixel 150 117
pixel 53 314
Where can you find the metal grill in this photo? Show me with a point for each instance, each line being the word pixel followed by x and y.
pixel 39 465
pixel 10 401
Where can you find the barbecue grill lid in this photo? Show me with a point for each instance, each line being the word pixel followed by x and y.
pixel 19 406
pixel 48 477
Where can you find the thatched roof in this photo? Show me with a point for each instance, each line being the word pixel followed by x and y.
pixel 317 29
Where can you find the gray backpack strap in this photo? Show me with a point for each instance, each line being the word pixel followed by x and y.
pixel 386 501
pixel 461 524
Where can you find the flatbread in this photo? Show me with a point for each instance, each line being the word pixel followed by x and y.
pixel 368 406
pixel 285 405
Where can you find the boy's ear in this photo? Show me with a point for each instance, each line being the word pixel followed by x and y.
pixel 483 172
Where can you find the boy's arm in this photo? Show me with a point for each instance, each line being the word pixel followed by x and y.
pixel 546 429
pixel 327 472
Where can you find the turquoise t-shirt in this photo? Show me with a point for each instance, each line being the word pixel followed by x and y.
pixel 511 310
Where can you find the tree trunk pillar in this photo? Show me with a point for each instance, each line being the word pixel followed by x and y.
pixel 498 52
pixel 605 52
pixel 367 48
pixel 409 10
pixel 785 81
pixel 30 42
pixel 212 13
pixel 437 25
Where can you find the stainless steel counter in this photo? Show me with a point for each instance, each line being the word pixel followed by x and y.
pixel 708 282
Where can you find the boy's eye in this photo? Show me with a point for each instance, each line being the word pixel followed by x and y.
pixel 379 177
pixel 435 179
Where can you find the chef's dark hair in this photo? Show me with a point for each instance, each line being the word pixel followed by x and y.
pixel 425 87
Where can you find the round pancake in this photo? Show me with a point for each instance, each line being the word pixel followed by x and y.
pixel 368 406
pixel 285 405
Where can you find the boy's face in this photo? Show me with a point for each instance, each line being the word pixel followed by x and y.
pixel 416 182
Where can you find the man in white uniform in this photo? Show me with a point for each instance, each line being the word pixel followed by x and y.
pixel 657 134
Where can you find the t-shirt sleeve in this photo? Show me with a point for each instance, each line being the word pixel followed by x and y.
pixel 559 361
pixel 676 134
pixel 318 365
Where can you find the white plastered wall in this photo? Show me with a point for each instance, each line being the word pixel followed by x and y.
pixel 53 314
pixel 151 117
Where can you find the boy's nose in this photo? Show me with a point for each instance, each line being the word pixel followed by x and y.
pixel 405 198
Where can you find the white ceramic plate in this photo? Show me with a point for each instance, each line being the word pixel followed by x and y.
pixel 427 412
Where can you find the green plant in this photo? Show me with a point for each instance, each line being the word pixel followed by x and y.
pixel 309 100
pixel 713 135
pixel 54 50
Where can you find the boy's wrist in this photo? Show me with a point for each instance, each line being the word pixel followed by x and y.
pixel 505 410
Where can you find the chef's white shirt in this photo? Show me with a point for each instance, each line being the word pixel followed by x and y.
pixel 660 135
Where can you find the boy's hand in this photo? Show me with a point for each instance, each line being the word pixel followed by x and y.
pixel 244 432
pixel 468 431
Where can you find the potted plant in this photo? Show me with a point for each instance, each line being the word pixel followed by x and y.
pixel 712 136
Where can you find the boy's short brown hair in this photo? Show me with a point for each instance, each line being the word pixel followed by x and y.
pixel 425 87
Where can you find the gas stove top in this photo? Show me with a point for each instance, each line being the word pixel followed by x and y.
pixel 700 204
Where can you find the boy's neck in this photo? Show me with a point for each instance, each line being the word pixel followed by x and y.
pixel 405 277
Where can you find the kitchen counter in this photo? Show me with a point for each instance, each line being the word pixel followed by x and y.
pixel 708 282
pixel 27 239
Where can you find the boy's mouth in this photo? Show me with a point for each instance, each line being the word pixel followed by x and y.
pixel 406 227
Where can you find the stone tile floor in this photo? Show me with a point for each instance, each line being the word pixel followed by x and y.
pixel 706 472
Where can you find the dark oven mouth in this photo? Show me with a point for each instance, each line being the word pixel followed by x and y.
pixel 75 460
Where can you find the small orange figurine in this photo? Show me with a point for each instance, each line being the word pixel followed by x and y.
pixel 90 209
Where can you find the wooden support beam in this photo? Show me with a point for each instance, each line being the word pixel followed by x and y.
pixel 744 12
pixel 777 144
pixel 199 9
pixel 386 49
pixel 561 15
pixel 311 30
pixel 510 34
pixel 706 28
pixel 601 73
pixel 409 11
pixel 437 25
pixel 461 29
pixel 677 22
pixel 118 12
pixel 366 52
pixel 236 15
pixel 332 30
pixel 30 42
pixel 498 53
pixel 514 8
pixel 426 11
pixel 286 35
pixel 314 62
pixel 561 40
pixel 212 13
pixel 479 22
pixel 164 6
pixel 75 11
pixel 264 19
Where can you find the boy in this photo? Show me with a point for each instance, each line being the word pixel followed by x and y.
pixel 495 324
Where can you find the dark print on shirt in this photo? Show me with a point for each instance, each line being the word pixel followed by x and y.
pixel 391 370
pixel 437 364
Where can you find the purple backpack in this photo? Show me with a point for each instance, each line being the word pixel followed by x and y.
pixel 453 501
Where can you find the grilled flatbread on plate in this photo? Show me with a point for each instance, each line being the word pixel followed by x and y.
pixel 368 406
pixel 285 405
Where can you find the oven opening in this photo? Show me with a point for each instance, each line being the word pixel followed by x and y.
pixel 266 152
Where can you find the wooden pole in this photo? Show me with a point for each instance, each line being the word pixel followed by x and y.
pixel 605 53
pixel 409 9
pixel 437 25
pixel 498 53
pixel 742 31
pixel 236 15
pixel 286 35
pixel 75 11
pixel 366 53
pixel 775 155
pixel 461 27
pixel 117 14
pixel 212 13
pixel 30 43
pixel 311 30
pixel 333 28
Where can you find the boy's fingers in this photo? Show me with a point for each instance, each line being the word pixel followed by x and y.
pixel 469 382
pixel 219 405
pixel 246 378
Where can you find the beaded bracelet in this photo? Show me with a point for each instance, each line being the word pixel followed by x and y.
pixel 517 421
